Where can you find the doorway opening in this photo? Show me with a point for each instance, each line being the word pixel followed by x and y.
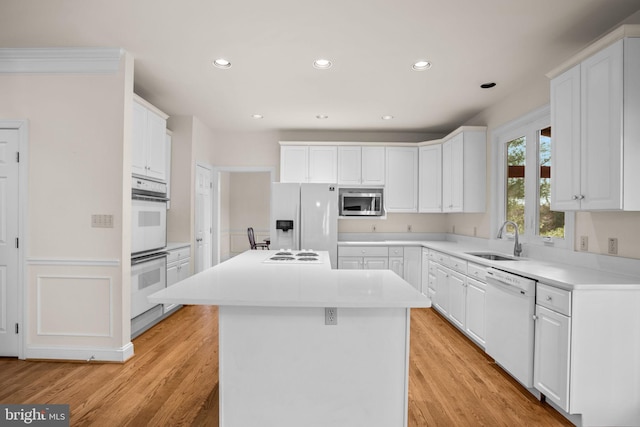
pixel 241 199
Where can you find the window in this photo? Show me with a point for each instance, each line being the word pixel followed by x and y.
pixel 523 193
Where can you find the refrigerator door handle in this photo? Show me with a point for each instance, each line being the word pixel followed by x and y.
pixel 298 236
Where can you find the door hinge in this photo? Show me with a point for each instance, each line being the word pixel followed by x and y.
pixel 17 328
pixel 17 243
pixel 17 156
pixel 210 184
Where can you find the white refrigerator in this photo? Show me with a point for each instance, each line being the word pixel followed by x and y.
pixel 305 216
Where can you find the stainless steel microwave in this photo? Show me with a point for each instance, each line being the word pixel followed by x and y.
pixel 361 202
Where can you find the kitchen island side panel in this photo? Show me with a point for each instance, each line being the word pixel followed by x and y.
pixel 284 367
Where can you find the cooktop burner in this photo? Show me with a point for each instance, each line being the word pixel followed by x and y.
pixel 306 254
pixel 307 258
pixel 282 258
pixel 284 254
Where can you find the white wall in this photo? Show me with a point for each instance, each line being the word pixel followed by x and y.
pixel 77 277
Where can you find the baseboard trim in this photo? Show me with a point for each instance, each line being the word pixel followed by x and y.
pixel 85 354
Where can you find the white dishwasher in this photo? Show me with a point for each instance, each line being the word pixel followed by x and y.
pixel 510 309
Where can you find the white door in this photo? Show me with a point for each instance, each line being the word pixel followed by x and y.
pixel 203 219
pixel 8 234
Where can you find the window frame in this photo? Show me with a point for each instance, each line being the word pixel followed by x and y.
pixel 528 126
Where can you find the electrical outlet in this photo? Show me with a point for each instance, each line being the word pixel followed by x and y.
pixel 373 227
pixel 409 228
pixel 475 231
pixel 330 316
pixel 453 229
pixel 613 245
pixel 584 243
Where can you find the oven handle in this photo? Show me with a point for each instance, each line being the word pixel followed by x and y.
pixel 148 198
pixel 146 258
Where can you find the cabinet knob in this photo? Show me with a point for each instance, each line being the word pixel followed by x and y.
pixel 535 317
pixel 581 196
pixel 549 298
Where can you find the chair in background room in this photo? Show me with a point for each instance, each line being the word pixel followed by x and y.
pixel 252 240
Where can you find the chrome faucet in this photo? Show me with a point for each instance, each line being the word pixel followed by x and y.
pixel 517 247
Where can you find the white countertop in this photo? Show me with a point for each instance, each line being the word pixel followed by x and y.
pixel 557 274
pixel 246 280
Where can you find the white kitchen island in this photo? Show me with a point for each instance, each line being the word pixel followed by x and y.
pixel 281 365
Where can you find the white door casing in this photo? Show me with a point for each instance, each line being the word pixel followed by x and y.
pixel 203 219
pixel 9 232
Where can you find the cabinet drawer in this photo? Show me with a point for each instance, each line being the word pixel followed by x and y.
pixel 363 251
pixel 439 257
pixel 396 251
pixel 477 271
pixel 432 268
pixel 554 298
pixel 178 254
pixel 458 264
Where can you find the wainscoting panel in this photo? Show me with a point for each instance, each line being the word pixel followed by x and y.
pixel 74 306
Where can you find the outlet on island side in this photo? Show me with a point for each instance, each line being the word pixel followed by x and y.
pixel 330 316
pixel 613 246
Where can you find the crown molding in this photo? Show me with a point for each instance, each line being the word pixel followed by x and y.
pixel 101 60
pixel 606 40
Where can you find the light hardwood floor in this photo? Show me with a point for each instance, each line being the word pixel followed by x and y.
pixel 173 380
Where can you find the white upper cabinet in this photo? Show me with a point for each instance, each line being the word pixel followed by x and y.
pixel 594 121
pixel 361 165
pixel 464 165
pixel 349 165
pixel 308 163
pixel 430 176
pixel 373 165
pixel 401 191
pixel 148 147
pixel 294 161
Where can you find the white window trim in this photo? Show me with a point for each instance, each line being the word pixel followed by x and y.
pixel 527 126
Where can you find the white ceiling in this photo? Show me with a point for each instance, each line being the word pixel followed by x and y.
pixel 372 44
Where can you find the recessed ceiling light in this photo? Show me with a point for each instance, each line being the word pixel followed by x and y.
pixel 322 64
pixel 387 117
pixel 322 116
pixel 488 85
pixel 421 65
pixel 222 63
pixel 257 116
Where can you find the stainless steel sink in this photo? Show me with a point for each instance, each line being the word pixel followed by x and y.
pixel 493 256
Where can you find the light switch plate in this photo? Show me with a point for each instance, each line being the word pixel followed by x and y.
pixel 101 221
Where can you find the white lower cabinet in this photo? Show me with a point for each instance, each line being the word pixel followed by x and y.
pixel 396 260
pixel 363 258
pixel 178 268
pixel 552 344
pixel 406 262
pixel 457 297
pixel 441 300
pixel 412 266
pixel 457 291
pixel 474 310
pixel 551 360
